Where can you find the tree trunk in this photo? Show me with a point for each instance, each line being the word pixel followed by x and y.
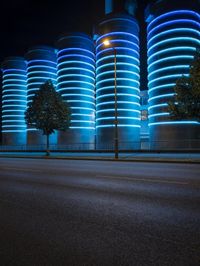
pixel 47 146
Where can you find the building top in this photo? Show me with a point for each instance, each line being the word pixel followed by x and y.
pixel 159 7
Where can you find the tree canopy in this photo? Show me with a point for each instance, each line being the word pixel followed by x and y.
pixel 47 111
pixel 186 102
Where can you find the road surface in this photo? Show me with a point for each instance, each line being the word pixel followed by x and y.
pixel 88 213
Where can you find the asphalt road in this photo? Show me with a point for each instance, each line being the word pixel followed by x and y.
pixel 88 213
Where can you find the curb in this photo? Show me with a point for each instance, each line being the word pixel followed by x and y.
pixel 144 160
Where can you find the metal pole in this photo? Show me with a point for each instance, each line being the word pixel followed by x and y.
pixel 116 115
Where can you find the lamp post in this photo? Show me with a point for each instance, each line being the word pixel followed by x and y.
pixel 116 144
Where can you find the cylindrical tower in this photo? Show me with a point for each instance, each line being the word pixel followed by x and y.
pixel 14 101
pixel 42 66
pixel 173 36
pixel 122 32
pixel 76 83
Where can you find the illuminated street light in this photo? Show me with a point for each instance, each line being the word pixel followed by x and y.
pixel 108 44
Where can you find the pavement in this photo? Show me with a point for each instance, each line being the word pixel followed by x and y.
pixel 169 157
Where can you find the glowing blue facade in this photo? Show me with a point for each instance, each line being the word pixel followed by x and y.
pixel 76 83
pixel 14 101
pixel 173 36
pixel 41 67
pixel 122 32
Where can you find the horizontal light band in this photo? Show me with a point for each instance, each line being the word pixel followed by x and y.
pixel 14 100
pixel 83 121
pixel 118 41
pixel 41 61
pixel 118 64
pixel 29 68
pixel 170 58
pixel 13 131
pixel 119 87
pixel 158 114
pixel 11 80
pixel 116 33
pixel 13 69
pixel 161 96
pixel 74 49
pixel 172 31
pixel 118 117
pixel 177 48
pixel 77 81
pixel 162 86
pixel 195 40
pixel 75 55
pixel 118 79
pixel 118 49
pixel 15 75
pixel 118 71
pixel 167 77
pixel 9 105
pixel 75 62
pixel 75 88
pixel 158 105
pixel 13 95
pixel 175 12
pixel 100 126
pixel 173 22
pixel 118 56
pixel 82 128
pixel 20 120
pixel 82 108
pixel 75 68
pixel 13 126
pixel 75 75
pixel 78 95
pixel 113 102
pixel 175 123
pixel 168 68
pixel 80 101
pixel 40 77
pixel 118 94
pixel 41 72
pixel 118 109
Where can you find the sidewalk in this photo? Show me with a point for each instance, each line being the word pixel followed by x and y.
pixel 129 157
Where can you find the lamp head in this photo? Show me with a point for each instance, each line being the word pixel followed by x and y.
pixel 106 43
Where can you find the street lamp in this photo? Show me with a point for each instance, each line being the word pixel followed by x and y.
pixel 108 44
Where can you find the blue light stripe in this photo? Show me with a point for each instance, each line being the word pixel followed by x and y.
pixel 75 55
pixel 162 87
pixel 75 61
pixel 118 79
pixel 168 68
pixel 167 77
pixel 118 64
pixel 74 49
pixel 173 22
pixel 119 41
pixel 118 49
pixel 172 31
pixel 158 105
pixel 118 94
pixel 159 114
pixel 170 58
pixel 118 56
pixel 118 71
pixel 174 123
pixel 77 75
pixel 112 102
pixel 75 68
pixel 119 109
pixel 194 40
pixel 173 13
pixel 161 96
pixel 178 48
pixel 116 33
pixel 73 81
pixel 110 125
pixel 119 87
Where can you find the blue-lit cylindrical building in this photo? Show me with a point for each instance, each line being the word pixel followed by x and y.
pixel 121 30
pixel 76 83
pixel 42 66
pixel 173 36
pixel 14 101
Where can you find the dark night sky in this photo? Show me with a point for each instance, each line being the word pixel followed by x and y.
pixel 25 23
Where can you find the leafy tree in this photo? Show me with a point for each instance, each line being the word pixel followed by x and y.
pixel 48 112
pixel 186 102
